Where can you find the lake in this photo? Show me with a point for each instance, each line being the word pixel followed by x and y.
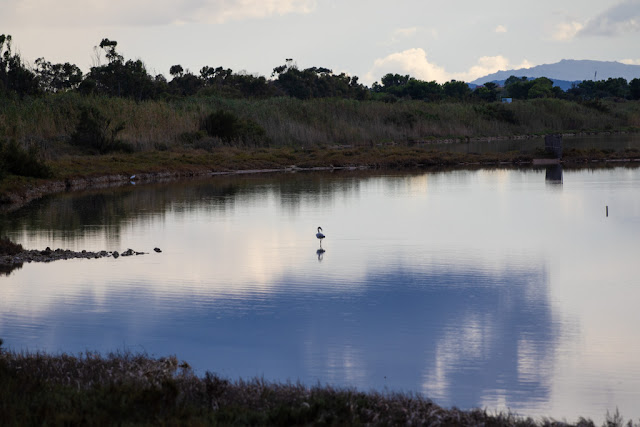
pixel 494 288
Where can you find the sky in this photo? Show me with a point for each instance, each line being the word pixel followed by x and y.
pixel 429 39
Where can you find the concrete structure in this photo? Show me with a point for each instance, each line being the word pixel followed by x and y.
pixel 553 145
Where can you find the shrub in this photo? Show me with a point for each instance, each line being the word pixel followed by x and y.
pixel 18 161
pixel 231 128
pixel 95 132
pixel 496 112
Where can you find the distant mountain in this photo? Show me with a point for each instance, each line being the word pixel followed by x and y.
pixel 569 70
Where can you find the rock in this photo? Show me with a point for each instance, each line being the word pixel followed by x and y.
pixel 116 254
pixel 157 250
pixel 128 252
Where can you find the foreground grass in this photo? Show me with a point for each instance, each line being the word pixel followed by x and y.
pixel 134 389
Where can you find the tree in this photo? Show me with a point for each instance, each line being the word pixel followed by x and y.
pixel 15 77
pixel 456 90
pixel 57 77
pixel 119 78
pixel 421 90
pixel 109 47
pixel 176 70
pixel 517 87
pixel 488 92
pixel 541 88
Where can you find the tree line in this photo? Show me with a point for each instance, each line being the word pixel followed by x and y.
pixel 130 79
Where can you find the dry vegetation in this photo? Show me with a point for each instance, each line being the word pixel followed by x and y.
pixel 134 389
pixel 152 125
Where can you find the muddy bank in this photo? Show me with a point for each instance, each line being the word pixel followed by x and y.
pixel 15 199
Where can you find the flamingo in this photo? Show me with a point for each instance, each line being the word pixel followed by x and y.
pixel 319 235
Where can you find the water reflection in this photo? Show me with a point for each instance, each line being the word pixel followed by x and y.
pixel 553 174
pixel 461 334
pixel 477 288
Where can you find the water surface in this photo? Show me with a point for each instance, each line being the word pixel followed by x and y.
pixel 497 288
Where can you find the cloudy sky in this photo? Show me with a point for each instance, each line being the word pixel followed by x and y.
pixel 429 39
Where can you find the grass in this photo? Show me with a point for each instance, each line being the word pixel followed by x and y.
pixel 48 121
pixel 134 389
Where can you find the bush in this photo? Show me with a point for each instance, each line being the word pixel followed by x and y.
pixel 95 132
pixel 231 128
pixel 18 161
pixel 496 112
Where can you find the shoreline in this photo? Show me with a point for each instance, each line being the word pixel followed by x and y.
pixel 83 172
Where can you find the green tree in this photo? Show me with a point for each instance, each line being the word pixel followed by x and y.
pixel 541 88
pixel 517 87
pixel 456 90
pixel 487 92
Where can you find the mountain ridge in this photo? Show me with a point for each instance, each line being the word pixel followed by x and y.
pixel 569 70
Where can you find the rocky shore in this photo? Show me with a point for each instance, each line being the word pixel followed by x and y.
pixel 10 262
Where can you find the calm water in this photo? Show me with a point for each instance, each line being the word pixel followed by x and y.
pixel 496 288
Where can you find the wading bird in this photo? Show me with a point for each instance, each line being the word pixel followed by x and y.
pixel 319 235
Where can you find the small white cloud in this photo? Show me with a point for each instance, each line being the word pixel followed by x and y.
pixel 631 61
pixel 486 65
pixel 412 61
pixel 415 63
pixel 405 32
pixel 500 29
pixel 567 30
pixel 524 64
pixel 401 34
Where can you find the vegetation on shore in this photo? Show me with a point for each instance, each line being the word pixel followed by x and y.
pixel 58 124
pixel 135 389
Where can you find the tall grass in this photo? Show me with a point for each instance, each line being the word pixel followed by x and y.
pixel 49 121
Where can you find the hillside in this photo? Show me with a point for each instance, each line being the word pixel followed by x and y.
pixel 570 70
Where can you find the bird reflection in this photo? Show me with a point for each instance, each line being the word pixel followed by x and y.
pixel 320 252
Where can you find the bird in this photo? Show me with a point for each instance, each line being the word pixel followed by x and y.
pixel 319 235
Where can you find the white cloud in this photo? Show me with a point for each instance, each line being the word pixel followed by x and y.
pixel 567 30
pixel 631 61
pixel 78 13
pixel 500 29
pixel 415 63
pixel 412 61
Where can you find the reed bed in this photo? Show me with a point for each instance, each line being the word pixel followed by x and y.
pixel 292 122
pixel 135 389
